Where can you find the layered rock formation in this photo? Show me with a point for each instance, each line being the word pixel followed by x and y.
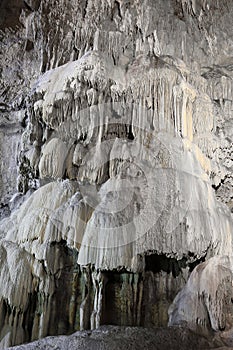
pixel 116 166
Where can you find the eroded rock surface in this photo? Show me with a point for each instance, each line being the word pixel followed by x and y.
pixel 112 337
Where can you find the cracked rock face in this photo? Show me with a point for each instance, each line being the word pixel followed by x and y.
pixel 116 167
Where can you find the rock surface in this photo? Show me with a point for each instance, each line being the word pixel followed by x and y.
pixel 209 288
pixel 116 140
pixel 112 337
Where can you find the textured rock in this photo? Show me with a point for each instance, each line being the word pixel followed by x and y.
pixel 124 337
pixel 178 163
pixel 206 299
pixel 116 166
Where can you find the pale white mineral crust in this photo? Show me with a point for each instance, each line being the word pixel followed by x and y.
pixel 116 140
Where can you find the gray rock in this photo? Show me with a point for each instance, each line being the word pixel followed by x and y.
pixel 117 338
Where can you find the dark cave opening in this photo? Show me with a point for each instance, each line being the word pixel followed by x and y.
pixel 160 262
pixel 157 263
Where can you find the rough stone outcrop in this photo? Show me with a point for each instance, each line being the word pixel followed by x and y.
pixel 113 337
pixel 205 304
pixel 116 166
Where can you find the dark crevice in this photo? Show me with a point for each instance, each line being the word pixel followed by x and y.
pixel 216 187
pixel 117 8
pixel 157 263
pixel 84 7
pixel 29 315
pixel 196 262
pixel 130 134
pixel 117 285
pixel 114 59
pixel 28 7
pixel 83 137
pixel 29 45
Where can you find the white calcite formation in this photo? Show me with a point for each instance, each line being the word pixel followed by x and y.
pixel 209 288
pixel 117 181
pixel 158 196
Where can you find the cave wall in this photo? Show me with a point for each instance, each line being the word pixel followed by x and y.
pixel 116 162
